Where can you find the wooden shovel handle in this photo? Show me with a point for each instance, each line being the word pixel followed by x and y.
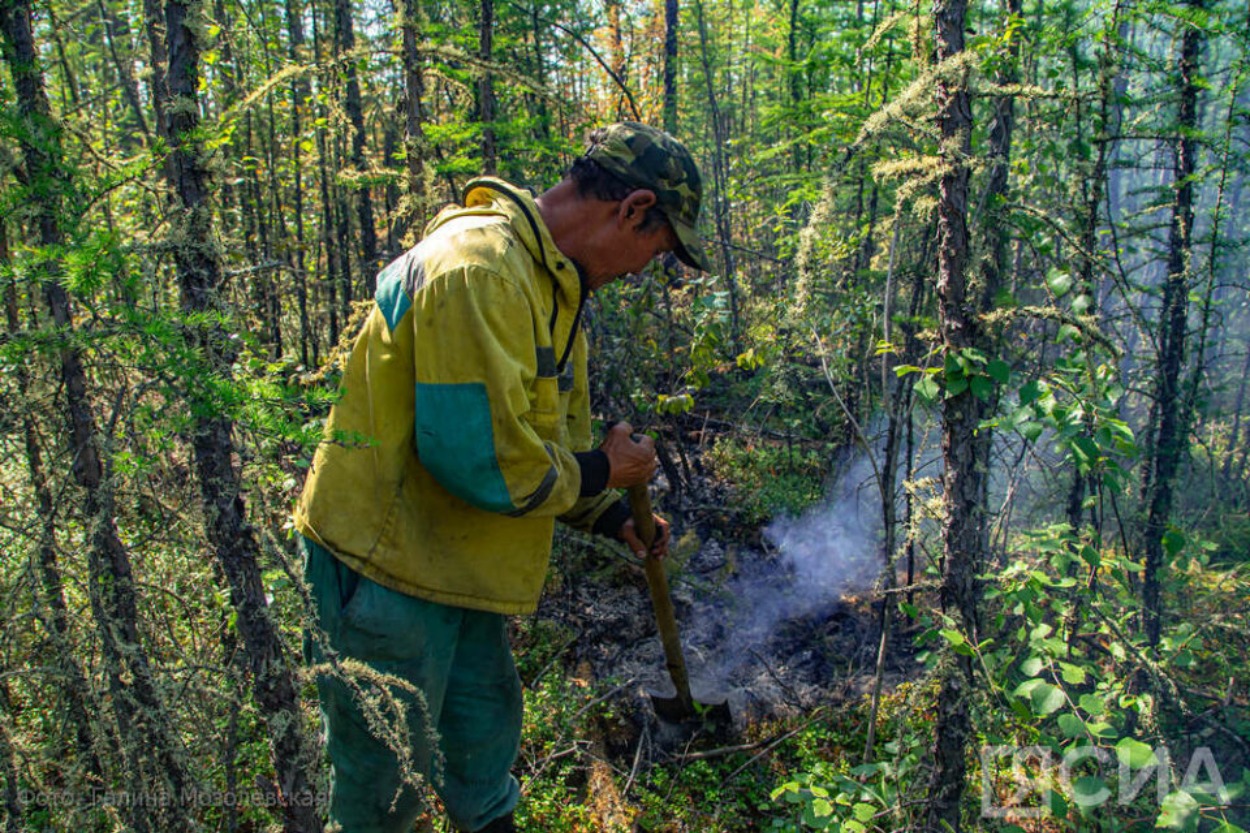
pixel 661 599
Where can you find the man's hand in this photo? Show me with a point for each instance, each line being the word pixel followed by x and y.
pixel 630 462
pixel 629 535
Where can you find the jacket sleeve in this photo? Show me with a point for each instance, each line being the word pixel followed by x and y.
pixel 599 514
pixel 481 428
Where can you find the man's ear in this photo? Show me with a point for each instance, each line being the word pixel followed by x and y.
pixel 633 209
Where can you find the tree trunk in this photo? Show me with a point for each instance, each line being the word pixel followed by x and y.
pixel 414 212
pixel 616 51
pixel 486 87
pixel 330 278
pixel 346 39
pixel 14 806
pixel 230 536
pixel 671 21
pixel 1169 430
pixel 300 93
pixel 720 179
pixel 963 528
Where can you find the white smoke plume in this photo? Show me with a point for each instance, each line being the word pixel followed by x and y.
pixel 829 551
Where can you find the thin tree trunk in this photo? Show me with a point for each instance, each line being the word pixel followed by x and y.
pixel 1170 430
pixel 154 27
pixel 671 21
pixel 616 51
pixel 300 94
pixel 331 278
pixel 720 177
pixel 231 537
pixel 486 87
pixel 346 40
pixel 963 528
pixel 414 211
pixel 14 806
pixel 897 408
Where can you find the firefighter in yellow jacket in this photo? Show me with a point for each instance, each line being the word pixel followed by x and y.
pixel 462 434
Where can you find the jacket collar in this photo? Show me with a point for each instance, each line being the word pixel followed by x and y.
pixel 519 206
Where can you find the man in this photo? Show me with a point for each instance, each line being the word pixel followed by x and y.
pixel 463 432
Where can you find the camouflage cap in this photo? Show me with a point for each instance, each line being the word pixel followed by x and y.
pixel 645 157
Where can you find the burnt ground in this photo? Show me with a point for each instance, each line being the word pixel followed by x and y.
pixel 752 634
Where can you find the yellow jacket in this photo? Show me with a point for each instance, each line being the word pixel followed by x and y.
pixel 449 455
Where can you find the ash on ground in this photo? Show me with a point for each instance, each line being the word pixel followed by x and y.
pixel 757 632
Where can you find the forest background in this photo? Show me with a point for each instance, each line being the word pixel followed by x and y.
pixel 996 248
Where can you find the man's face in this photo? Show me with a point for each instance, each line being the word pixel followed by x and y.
pixel 633 251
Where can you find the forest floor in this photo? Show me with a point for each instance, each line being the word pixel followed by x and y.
pixel 779 644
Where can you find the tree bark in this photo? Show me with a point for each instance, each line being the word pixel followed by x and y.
pixel 671 22
pixel 14 806
pixel 231 537
pixel 963 528
pixel 300 93
pixel 414 211
pixel 1169 430
pixel 486 87
pixel 720 179
pixel 331 277
pixel 346 39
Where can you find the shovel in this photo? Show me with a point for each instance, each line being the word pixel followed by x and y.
pixel 683 706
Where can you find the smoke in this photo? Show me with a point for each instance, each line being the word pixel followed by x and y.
pixel 809 564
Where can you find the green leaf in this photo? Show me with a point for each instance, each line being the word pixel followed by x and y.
pixel 1067 332
pixel 864 812
pixel 1072 674
pixel 1180 812
pixel 1135 754
pixel 788 787
pixel 1090 791
pixel 1092 704
pixel 1043 697
pixel 1032 666
pixel 1173 542
pixel 1101 730
pixel 999 371
pixel 1071 725
pixel 982 386
pixel 1059 282
pixel 927 389
pixel 957 642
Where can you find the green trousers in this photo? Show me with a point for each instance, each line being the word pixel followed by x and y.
pixel 458 658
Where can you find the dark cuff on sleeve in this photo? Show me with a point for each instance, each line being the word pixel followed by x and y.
pixel 595 471
pixel 613 518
